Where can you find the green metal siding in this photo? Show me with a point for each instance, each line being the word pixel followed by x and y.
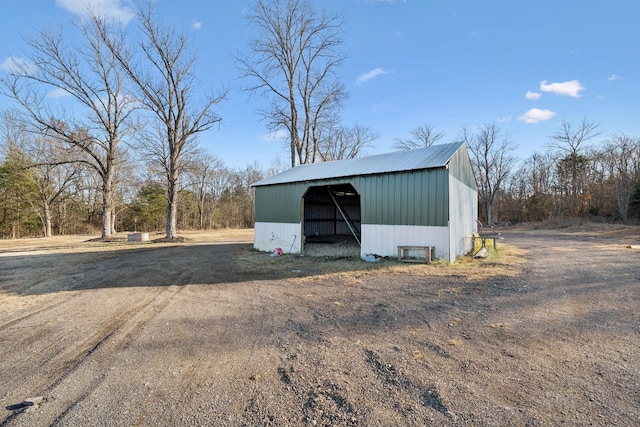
pixel 402 198
pixel 279 203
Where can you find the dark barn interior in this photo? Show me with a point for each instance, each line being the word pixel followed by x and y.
pixel 332 214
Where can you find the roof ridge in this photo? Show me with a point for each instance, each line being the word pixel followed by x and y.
pixel 421 158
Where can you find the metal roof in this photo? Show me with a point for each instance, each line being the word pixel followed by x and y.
pixel 436 156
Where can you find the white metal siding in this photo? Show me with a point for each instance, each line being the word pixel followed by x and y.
pixel 463 212
pixel 384 240
pixel 271 235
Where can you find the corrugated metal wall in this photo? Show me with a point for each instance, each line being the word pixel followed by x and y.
pixel 464 212
pixel 279 203
pixel 384 240
pixel 319 220
pixel 403 198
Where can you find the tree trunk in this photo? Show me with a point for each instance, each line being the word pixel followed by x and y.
pixel 201 215
pixel 106 222
pixel 47 218
pixel 62 219
pixel 113 221
pixel 623 200
pixel 489 214
pixel 172 209
pixel 107 206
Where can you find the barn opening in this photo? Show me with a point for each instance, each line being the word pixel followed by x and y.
pixel 332 219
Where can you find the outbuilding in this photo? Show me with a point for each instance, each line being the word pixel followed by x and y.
pixel 423 197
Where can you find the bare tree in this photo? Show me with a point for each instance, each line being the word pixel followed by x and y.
pixel 621 156
pixel 294 59
pixel 422 136
pixel 165 84
pixel 52 171
pixel 571 139
pixel 570 142
pixel 492 163
pixel 90 74
pixel 531 195
pixel 345 143
pixel 278 164
pixel 199 177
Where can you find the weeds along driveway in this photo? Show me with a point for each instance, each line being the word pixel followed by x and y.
pixel 217 334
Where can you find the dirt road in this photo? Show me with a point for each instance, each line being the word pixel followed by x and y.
pixel 191 335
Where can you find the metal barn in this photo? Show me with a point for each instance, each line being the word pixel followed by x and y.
pixel 423 197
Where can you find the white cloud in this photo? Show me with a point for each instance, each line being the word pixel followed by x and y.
pixel 613 77
pixel 571 88
pixel 504 119
pixel 16 65
pixel 196 25
pixel 110 8
pixel 57 93
pixel 536 115
pixel 533 95
pixel 371 74
pixel 275 136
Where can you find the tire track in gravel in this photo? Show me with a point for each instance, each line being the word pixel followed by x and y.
pixel 250 334
pixel 29 314
pixel 256 405
pixel 65 365
pixel 117 335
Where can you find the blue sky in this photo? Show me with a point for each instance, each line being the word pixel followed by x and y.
pixel 526 65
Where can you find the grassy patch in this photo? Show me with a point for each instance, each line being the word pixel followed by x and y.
pixel 508 261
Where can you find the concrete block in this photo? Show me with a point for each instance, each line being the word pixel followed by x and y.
pixel 138 237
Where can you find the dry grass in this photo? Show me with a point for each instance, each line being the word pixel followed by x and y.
pixel 508 261
pixel 86 243
pixel 580 227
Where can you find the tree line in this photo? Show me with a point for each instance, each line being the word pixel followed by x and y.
pixel 570 179
pixel 581 174
pixel 134 91
pixel 39 197
pixel 131 89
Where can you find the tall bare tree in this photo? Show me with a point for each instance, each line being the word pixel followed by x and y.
pixel 293 60
pixel 163 78
pixel 492 161
pixel 89 73
pixel 570 141
pixel 422 136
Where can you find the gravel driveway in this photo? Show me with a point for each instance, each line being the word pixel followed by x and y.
pixel 185 335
